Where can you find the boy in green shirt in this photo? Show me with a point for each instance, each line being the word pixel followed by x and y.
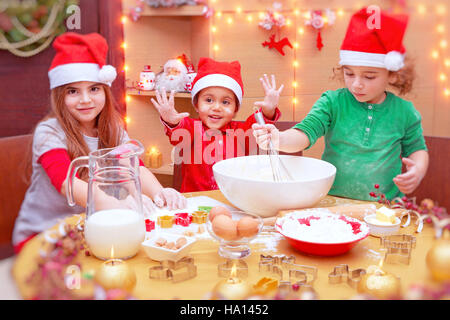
pixel 368 131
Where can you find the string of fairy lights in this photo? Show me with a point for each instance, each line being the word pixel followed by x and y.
pixel 225 19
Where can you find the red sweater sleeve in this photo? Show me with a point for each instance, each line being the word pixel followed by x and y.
pixel 56 163
pixel 186 123
pixel 251 119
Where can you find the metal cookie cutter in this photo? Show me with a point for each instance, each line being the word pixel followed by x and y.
pixel 394 255
pixel 175 271
pixel 165 221
pixel 398 241
pixel 300 274
pixel 224 269
pixel 272 264
pixel 343 273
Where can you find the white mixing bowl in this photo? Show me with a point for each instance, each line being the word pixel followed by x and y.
pixel 247 183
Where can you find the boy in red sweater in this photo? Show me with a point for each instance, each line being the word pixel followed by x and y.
pixel 217 94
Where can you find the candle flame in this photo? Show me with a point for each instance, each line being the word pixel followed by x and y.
pixel 380 265
pixel 153 150
pixel 112 252
pixel 233 271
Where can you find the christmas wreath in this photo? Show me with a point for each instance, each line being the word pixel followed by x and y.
pixel 27 27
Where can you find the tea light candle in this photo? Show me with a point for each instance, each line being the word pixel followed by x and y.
pixel 378 283
pixel 153 158
pixel 232 288
pixel 116 274
pixel 122 229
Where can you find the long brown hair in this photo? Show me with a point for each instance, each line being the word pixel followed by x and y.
pixel 109 123
pixel 404 78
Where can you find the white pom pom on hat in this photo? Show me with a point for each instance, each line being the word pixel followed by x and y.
pixel 107 74
pixel 394 61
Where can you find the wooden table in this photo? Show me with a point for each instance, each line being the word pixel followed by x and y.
pixel 207 260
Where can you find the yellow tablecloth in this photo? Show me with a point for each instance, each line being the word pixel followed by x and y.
pixel 207 260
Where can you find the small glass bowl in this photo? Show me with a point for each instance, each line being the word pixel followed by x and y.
pixel 238 248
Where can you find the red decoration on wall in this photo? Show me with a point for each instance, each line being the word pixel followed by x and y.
pixel 278 45
pixel 319 19
pixel 319 43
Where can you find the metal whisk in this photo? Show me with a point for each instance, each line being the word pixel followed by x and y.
pixel 279 171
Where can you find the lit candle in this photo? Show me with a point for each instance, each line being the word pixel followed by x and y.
pixel 379 283
pixel 232 288
pixel 115 274
pixel 153 158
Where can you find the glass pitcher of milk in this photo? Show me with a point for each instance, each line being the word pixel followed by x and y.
pixel 114 215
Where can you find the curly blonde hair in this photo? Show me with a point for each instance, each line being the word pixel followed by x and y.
pixel 404 77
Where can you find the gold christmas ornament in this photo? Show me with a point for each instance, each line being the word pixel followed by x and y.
pixel 438 260
pixel 379 284
pixel 116 274
pixel 438 257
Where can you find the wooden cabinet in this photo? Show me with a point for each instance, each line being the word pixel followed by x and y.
pixel 158 35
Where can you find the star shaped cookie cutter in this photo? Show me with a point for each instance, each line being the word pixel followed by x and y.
pixel 343 273
pixel 299 274
pixel 179 271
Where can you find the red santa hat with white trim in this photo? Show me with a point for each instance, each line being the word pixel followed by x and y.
pixel 211 73
pixel 80 57
pixel 374 41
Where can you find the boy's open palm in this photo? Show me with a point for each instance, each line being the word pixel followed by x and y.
pixel 166 108
pixel 272 94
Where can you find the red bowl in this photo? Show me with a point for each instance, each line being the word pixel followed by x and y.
pixel 323 249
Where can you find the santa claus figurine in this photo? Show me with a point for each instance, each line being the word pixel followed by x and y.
pixel 173 77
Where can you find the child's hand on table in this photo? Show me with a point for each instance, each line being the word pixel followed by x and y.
pixel 171 198
pixel 272 96
pixel 166 108
pixel 408 181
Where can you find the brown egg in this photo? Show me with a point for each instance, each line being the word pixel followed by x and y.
pixel 247 227
pixel 218 210
pixel 224 227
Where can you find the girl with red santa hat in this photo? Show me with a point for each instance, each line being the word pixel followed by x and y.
pixel 83 118
pixel 217 93
pixel 369 131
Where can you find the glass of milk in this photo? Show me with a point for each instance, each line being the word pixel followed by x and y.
pixel 114 215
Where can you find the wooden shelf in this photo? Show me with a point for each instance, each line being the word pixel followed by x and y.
pixel 137 92
pixel 181 11
pixel 165 169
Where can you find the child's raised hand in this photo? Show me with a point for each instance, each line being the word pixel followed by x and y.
pixel 407 182
pixel 171 198
pixel 265 133
pixel 166 108
pixel 272 95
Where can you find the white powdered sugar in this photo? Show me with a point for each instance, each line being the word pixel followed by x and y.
pixel 322 226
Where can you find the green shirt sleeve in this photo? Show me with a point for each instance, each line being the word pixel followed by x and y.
pixel 413 139
pixel 318 120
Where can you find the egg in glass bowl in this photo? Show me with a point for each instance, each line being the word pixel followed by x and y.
pixel 234 230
